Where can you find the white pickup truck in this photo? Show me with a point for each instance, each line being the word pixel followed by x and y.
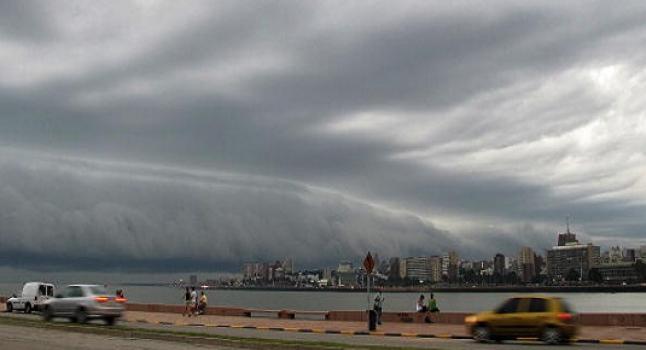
pixel 34 294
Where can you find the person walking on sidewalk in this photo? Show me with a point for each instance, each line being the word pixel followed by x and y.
pixel 378 306
pixel 187 303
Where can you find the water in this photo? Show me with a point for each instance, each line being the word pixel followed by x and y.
pixel 300 300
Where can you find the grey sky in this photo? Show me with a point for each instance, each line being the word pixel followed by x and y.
pixel 174 135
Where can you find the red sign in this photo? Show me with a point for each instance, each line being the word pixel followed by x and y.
pixel 369 263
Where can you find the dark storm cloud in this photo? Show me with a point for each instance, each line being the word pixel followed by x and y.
pixel 494 121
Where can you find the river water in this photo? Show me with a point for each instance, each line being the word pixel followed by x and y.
pixel 312 300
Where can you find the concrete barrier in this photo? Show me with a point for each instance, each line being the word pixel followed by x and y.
pixel 585 319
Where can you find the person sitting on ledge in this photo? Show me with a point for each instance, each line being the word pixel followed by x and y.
pixel 201 307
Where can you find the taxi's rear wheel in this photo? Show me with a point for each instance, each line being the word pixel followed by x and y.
pixel 552 336
pixel 481 333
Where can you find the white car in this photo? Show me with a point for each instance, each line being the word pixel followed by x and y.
pixel 34 295
pixel 82 302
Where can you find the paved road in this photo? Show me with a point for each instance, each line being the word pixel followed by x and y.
pixel 25 338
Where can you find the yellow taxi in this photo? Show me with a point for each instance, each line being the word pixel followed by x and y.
pixel 546 318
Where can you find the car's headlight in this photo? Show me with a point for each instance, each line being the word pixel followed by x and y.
pixel 470 319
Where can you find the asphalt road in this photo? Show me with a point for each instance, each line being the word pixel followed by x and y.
pixel 29 338
pixel 22 337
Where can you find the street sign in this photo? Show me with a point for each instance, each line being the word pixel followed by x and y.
pixel 369 263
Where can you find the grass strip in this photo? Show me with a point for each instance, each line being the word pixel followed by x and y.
pixel 190 337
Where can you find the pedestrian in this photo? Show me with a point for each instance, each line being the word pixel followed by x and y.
pixel 432 307
pixel 201 307
pixel 421 306
pixel 378 306
pixel 193 301
pixel 432 304
pixel 187 303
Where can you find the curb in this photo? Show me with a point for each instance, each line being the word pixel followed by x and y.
pixel 383 334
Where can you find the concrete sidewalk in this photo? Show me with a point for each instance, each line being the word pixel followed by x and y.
pixel 349 327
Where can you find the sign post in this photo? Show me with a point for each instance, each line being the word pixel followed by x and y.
pixel 369 265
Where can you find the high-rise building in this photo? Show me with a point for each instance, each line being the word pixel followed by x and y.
pixel 193 280
pixel 436 268
pixel 454 264
pixel 288 266
pixel 629 255
pixel 642 252
pixel 567 238
pixel 445 265
pixel 616 254
pixel 402 269
pixel 577 260
pixel 418 268
pixel 499 264
pixel 526 264
pixel 394 268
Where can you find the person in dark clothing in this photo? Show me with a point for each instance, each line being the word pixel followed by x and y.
pixel 187 303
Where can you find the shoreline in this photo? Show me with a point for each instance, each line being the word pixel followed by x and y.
pixel 491 289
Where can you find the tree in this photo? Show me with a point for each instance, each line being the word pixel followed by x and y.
pixel 572 275
pixel 595 276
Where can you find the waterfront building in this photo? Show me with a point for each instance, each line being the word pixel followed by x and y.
pixel 345 266
pixel 615 255
pixel 445 265
pixel 402 269
pixel 453 268
pixel 288 266
pixel 616 273
pixel 193 280
pixel 567 238
pixel 572 260
pixel 418 268
pixel 499 264
pixel 526 264
pixel 393 271
pixel 436 268
pixel 642 252
pixel 629 255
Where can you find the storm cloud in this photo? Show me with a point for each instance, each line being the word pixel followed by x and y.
pixel 159 134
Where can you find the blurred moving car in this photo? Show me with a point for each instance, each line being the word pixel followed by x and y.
pixel 83 302
pixel 549 319
pixel 33 295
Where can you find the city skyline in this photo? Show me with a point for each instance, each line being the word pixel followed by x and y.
pixel 151 137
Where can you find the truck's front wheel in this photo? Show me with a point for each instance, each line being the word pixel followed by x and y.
pixel 27 308
pixel 9 307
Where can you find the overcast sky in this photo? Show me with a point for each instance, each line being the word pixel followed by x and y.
pixel 184 135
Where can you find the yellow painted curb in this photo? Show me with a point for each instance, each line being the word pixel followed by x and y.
pixel 318 330
pixel 347 332
pixel 414 335
pixel 291 329
pixel 444 336
pixel 236 326
pixel 377 333
pixel 611 341
pixel 264 328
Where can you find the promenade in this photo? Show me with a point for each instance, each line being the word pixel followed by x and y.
pixel 438 330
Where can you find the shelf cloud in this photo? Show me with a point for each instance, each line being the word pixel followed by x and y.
pixel 162 135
